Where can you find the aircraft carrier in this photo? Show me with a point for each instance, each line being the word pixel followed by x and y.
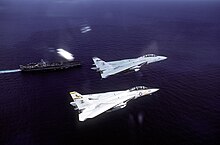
pixel 44 66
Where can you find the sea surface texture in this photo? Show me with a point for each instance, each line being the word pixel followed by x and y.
pixel 35 107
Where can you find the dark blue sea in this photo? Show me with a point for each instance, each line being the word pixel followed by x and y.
pixel 35 109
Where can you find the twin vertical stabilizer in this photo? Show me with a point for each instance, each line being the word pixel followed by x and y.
pixel 78 101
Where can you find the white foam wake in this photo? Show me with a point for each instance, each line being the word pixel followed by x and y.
pixel 9 71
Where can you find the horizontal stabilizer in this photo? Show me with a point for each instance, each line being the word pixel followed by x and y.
pixel 74 105
pixel 94 68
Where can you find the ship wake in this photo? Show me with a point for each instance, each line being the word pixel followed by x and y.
pixel 9 71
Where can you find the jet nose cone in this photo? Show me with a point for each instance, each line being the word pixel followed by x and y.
pixel 153 90
pixel 163 57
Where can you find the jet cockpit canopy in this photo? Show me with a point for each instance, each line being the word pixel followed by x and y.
pixel 138 88
pixel 150 55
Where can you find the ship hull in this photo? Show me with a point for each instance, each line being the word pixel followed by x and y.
pixel 57 66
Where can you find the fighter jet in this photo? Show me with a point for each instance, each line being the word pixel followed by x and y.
pixel 113 67
pixel 91 105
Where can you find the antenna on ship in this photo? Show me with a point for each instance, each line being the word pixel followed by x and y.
pixel 43 62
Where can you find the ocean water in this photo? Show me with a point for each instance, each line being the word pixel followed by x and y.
pixel 35 109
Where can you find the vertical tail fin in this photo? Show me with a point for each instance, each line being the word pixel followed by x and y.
pixel 78 101
pixel 100 64
pixel 75 95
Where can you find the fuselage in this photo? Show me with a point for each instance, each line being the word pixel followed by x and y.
pixel 130 64
pixel 118 96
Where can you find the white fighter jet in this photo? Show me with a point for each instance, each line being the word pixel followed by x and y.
pixel 91 105
pixel 113 67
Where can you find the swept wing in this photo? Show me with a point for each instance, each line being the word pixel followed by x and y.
pixel 98 109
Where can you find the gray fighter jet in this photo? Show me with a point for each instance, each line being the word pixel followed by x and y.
pixel 91 105
pixel 113 67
